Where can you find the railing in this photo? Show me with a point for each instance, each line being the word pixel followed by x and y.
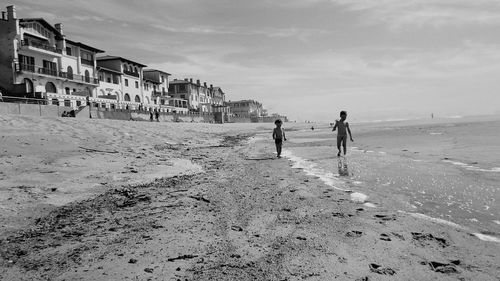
pixel 41 46
pixel 55 73
pixel 87 62
pixel 14 99
pixel 135 74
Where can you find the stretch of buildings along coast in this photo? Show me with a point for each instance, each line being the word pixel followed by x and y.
pixel 38 61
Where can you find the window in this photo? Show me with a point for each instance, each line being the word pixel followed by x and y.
pixel 101 78
pixel 87 76
pixel 137 98
pixel 49 68
pixel 78 103
pixel 28 85
pixel 136 70
pixel 125 68
pixel 27 63
pixel 137 84
pixel 50 87
pixel 70 72
pixel 87 58
pixel 34 26
pixel 67 103
pixel 67 91
pixel 126 97
pixel 182 88
pixel 108 79
pixel 126 82
pixel 146 86
pixel 68 51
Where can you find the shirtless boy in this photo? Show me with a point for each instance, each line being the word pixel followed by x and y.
pixel 342 132
pixel 279 137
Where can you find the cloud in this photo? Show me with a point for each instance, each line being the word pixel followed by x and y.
pixel 425 13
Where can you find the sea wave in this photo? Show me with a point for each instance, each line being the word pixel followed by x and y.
pixel 471 167
pixel 480 236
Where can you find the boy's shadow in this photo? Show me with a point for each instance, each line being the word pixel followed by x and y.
pixel 342 166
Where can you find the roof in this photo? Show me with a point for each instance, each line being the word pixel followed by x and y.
pixel 156 70
pixel 108 69
pixel 180 81
pixel 45 24
pixel 151 80
pixel 242 101
pixel 107 57
pixel 84 46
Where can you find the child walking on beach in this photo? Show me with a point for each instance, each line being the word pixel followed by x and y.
pixel 278 136
pixel 342 132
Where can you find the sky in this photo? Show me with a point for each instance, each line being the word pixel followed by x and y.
pixel 307 59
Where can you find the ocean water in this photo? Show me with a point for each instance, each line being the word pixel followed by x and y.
pixel 447 170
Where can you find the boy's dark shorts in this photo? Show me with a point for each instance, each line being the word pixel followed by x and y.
pixel 278 141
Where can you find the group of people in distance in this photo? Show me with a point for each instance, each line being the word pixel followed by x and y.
pixel 68 114
pixel 341 125
pixel 156 114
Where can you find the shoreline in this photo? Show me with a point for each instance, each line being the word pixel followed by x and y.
pixel 245 216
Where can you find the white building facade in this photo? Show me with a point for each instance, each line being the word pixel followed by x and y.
pixel 38 61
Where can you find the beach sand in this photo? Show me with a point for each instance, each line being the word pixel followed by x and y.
pixel 115 200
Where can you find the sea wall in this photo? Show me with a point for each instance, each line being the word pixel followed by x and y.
pixel 33 109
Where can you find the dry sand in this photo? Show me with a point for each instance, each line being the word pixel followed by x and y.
pixel 115 200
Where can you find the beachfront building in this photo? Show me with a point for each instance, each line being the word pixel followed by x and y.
pixel 245 108
pixel 123 78
pixel 156 85
pixel 37 61
pixel 198 95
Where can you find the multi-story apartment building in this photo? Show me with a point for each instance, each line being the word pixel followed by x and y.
pixel 246 108
pixel 123 78
pixel 200 97
pixel 156 86
pixel 38 61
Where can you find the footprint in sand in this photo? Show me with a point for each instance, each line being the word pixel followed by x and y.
pixel 426 239
pixel 354 234
pixel 385 237
pixel 445 268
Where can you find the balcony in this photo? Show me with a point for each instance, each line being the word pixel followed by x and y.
pixel 159 94
pixel 41 46
pixel 87 62
pixel 135 74
pixel 51 72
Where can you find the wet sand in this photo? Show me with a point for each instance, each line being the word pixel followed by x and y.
pixel 114 200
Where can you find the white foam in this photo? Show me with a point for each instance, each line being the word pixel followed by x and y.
pixel 358 197
pixel 368 204
pixel 487 238
pixel 436 220
pixel 357 182
pixel 311 169
pixel 471 167
pixel 497 222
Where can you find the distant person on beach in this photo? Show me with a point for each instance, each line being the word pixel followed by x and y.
pixel 342 132
pixel 151 116
pixel 278 136
pixel 157 115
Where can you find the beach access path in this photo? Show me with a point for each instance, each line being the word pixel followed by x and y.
pixel 239 214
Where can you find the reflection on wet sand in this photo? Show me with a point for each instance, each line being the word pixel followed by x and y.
pixel 343 169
